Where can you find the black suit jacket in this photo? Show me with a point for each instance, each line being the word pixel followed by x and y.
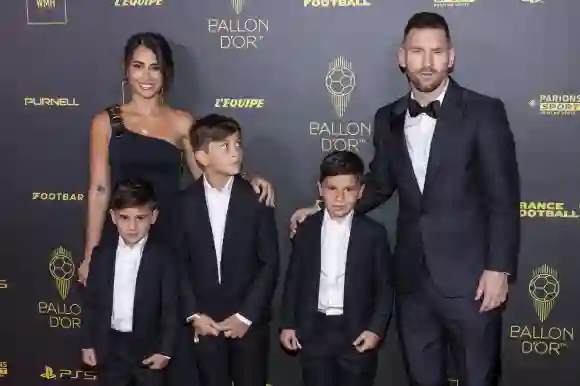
pixel 368 297
pixel 155 307
pixel 250 256
pixel 467 219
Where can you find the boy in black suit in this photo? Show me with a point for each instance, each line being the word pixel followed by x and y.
pixel 338 300
pixel 229 248
pixel 130 310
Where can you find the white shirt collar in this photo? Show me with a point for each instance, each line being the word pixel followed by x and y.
pixel 346 222
pixel 140 244
pixel 441 96
pixel 227 189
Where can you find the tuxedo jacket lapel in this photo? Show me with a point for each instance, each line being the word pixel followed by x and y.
pixel 449 119
pixel 203 223
pixel 234 213
pixel 397 124
pixel 352 252
pixel 315 265
pixel 145 272
pixel 111 256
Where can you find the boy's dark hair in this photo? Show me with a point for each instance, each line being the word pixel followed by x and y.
pixel 423 20
pixel 212 127
pixel 342 162
pixel 133 193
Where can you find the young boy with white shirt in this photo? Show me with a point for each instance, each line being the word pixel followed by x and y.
pixel 130 304
pixel 228 242
pixel 338 297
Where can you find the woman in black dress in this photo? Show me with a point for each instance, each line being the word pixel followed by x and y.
pixel 143 138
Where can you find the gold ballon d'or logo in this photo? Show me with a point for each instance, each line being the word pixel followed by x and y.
pixel 237 5
pixel 62 269
pixel 544 288
pixel 340 83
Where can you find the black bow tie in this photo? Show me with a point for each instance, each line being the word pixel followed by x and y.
pixel 432 109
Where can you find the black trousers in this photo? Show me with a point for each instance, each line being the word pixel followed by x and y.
pixel 183 368
pixel 241 361
pixel 432 325
pixel 328 357
pixel 123 367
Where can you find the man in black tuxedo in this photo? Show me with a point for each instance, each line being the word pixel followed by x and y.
pixel 338 300
pixel 450 154
pixel 130 303
pixel 229 247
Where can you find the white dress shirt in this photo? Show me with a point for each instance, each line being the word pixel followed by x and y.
pixel 334 239
pixel 218 201
pixel 419 132
pixel 127 263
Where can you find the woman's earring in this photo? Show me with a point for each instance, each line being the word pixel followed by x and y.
pixel 161 95
pixel 123 91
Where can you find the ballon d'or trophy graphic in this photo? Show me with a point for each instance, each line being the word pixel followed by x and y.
pixel 544 288
pixel 340 82
pixel 237 5
pixel 62 269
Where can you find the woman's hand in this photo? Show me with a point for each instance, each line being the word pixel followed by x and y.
pixel 263 188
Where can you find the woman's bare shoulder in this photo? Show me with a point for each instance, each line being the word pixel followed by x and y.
pixel 182 119
pixel 100 123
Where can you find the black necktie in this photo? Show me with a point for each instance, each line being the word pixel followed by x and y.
pixel 432 109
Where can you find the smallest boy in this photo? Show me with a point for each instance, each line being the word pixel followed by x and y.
pixel 338 300
pixel 130 310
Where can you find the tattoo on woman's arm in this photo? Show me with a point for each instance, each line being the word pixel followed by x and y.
pixel 101 189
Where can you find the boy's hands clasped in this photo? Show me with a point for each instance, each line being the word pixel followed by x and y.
pixel 232 327
pixel 366 341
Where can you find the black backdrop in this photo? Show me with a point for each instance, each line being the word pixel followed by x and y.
pixel 315 71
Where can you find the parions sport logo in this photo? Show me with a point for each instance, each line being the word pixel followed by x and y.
pixel 239 32
pixel 340 134
pixel 556 104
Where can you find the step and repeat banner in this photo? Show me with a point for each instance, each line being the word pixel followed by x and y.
pixel 303 77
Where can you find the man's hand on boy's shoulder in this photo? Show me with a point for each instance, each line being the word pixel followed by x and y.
pixel 262 187
pixel 300 215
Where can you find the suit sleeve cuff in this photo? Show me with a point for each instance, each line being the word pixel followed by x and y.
pixel 244 320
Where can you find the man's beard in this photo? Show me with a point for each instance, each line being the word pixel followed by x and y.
pixel 415 80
